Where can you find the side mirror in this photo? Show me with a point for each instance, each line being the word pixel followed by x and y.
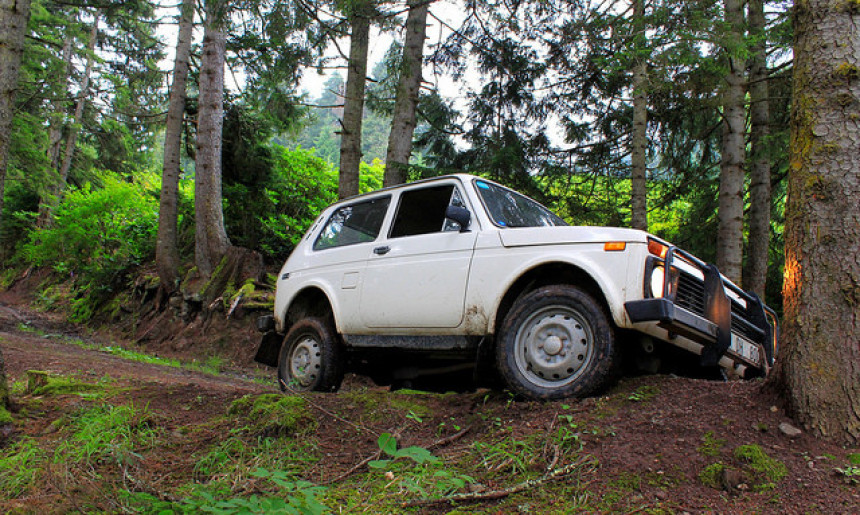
pixel 461 215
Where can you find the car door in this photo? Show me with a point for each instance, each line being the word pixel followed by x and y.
pixel 339 253
pixel 417 276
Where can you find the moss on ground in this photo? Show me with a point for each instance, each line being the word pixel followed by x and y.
pixel 275 414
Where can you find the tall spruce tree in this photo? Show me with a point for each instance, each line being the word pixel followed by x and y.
pixel 732 172
pixel 359 14
pixel 167 248
pixel 406 101
pixel 210 242
pixel 13 25
pixel 817 368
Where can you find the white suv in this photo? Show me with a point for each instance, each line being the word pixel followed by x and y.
pixel 458 272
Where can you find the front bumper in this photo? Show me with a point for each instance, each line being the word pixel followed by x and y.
pixel 700 310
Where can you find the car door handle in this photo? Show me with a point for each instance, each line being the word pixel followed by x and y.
pixel 385 249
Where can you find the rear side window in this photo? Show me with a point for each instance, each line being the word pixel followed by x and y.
pixel 355 223
pixel 422 211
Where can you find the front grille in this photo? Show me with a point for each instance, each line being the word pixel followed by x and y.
pixel 691 296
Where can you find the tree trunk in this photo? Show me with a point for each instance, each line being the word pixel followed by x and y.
pixel 55 134
pixel 353 109
pixel 52 199
pixel 731 206
pixel 403 121
pixel 166 247
pixel 638 157
pixel 819 363
pixel 755 273
pixel 210 242
pixel 13 27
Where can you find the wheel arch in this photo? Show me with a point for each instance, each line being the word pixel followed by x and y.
pixel 311 301
pixel 546 274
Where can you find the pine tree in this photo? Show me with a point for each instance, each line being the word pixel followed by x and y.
pixel 13 25
pixel 166 249
pixel 406 102
pixel 211 241
pixel 817 368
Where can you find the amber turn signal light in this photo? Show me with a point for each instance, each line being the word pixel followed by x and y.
pixel 611 246
pixel 657 248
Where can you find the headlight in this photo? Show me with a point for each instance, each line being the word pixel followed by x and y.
pixel 658 276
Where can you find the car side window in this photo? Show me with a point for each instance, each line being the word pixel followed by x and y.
pixel 352 224
pixel 422 211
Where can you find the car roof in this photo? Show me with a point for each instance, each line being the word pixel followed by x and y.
pixel 464 177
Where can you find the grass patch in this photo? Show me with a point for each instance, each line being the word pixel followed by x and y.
pixel 20 466
pixel 711 445
pixel 106 434
pixel 5 416
pixel 643 394
pixel 766 470
pixel 378 405
pixel 64 385
pixel 274 414
pixel 712 475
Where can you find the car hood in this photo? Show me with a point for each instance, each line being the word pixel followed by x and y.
pixel 561 235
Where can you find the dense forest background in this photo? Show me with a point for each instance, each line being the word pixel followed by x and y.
pixel 663 116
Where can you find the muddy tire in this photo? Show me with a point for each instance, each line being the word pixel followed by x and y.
pixel 311 357
pixel 556 342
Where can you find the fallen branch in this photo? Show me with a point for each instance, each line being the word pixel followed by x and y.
pixel 353 470
pixel 449 439
pixel 515 489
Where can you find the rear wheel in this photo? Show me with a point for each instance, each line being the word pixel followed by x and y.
pixel 556 342
pixel 311 357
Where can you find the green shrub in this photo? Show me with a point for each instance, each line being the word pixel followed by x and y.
pixel 98 235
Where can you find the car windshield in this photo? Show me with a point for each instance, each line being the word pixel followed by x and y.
pixel 510 209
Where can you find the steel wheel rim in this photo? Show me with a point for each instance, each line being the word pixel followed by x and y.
pixel 553 346
pixel 305 361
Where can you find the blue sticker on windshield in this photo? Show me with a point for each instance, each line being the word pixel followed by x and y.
pixel 503 224
pixel 482 184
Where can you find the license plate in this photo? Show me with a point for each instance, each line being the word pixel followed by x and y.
pixel 745 349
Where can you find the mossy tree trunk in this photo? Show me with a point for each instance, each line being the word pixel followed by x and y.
pixel 818 368
pixel 14 15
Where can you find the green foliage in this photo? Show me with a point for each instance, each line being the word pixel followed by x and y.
pixel 643 394
pixel 97 237
pixel 712 475
pixel 20 466
pixel 72 386
pixel 106 434
pixel 711 445
pixel 388 445
pixel 770 469
pixel 293 497
pixel 416 470
pixel 234 459
pixel 275 414
pixel 851 474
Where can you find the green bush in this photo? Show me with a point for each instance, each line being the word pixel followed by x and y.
pixel 97 236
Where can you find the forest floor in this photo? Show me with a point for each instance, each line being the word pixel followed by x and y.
pixel 652 444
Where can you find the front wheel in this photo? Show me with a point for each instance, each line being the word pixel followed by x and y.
pixel 311 357
pixel 556 342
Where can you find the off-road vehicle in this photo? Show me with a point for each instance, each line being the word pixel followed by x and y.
pixel 460 273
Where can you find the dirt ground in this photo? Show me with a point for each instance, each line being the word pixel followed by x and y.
pixel 648 440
